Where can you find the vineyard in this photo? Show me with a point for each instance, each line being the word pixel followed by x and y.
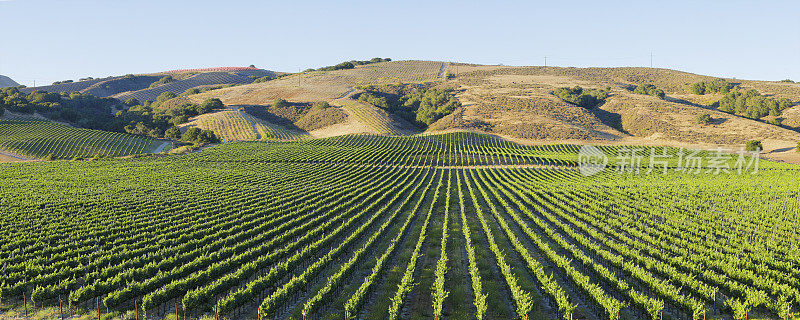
pixel 234 125
pixel 378 121
pixel 40 139
pixel 195 81
pixel 451 226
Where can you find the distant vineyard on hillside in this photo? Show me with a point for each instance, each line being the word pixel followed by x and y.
pixel 222 69
pixel 198 80
pixel 40 139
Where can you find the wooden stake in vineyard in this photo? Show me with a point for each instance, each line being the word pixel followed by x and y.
pixel 97 299
pixel 25 302
pixel 60 308
pixel 136 309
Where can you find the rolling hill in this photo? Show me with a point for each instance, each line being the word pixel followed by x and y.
pixel 7 82
pixel 517 103
pixel 139 86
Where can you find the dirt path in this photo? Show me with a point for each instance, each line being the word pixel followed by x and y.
pixel 346 94
pixel 442 75
pixel 161 147
pixel 6 156
pixel 247 118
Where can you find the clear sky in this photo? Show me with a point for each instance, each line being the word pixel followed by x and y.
pixel 49 40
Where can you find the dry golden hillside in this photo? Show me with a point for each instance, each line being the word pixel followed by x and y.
pixel 518 103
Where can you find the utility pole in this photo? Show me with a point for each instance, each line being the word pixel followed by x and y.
pixel 651 59
pixel 545 61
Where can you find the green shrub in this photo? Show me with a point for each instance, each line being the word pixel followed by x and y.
pixel 263 79
pixel 210 104
pixel 649 89
pixel 164 96
pixel 280 103
pixel 190 91
pixel 132 102
pixel 349 64
pixel 173 133
pixel 753 145
pixel 752 104
pixel 164 80
pixel 588 98
pixel 705 119
pixel 321 105
pixel 713 86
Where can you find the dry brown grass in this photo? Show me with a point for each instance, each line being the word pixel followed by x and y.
pixel 326 85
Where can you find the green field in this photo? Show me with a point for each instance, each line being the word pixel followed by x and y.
pixel 39 139
pixel 453 226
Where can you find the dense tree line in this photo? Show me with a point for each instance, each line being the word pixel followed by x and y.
pixel 587 98
pixel 752 104
pixel 150 120
pixel 350 64
pixel 89 111
pixel 420 106
pixel 713 86
pixel 649 89
pixel 84 110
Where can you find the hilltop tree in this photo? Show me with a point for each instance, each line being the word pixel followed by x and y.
pixel 753 145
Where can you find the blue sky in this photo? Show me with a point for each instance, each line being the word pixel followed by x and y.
pixel 48 41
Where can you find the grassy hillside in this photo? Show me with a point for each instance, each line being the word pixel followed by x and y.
pixel 329 85
pixel 518 102
pixel 40 139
